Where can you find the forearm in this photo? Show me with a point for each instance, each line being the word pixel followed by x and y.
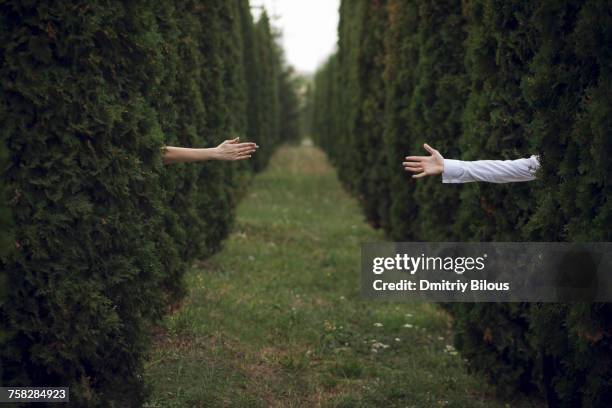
pixel 173 154
pixel 490 171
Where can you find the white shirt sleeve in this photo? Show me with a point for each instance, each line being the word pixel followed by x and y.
pixel 491 171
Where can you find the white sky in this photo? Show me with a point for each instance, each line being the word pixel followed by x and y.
pixel 309 29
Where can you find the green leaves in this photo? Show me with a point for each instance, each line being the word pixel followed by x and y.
pixel 102 232
pixel 477 80
pixel 39 49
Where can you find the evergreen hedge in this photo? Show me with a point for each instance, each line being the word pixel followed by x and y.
pixel 103 233
pixel 485 79
pixel 5 216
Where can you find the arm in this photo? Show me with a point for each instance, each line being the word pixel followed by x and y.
pixel 458 171
pixel 230 150
pixel 491 171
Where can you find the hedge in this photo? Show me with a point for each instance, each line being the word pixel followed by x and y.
pixel 485 79
pixel 5 216
pixel 102 232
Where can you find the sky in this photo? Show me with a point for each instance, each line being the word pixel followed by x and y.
pixel 308 27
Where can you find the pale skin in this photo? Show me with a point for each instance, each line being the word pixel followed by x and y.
pixel 423 166
pixel 230 150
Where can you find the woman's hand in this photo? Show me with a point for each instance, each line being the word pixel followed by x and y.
pixel 425 165
pixel 232 150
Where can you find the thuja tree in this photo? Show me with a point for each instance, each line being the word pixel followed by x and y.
pixel 401 60
pixel 5 217
pixel 102 232
pixel 496 119
pixel 181 113
pixel 84 167
pixel 6 227
pixel 291 126
pixel 564 349
pixel 371 185
pixel 346 154
pixel 569 90
pixel 496 124
pixel 324 100
pixel 217 85
pixel 245 20
pixel 436 109
pixel 536 81
pixel 268 97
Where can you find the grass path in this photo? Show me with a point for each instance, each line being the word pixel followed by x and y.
pixel 276 318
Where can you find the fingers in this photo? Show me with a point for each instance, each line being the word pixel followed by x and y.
pixel 246 150
pixel 237 143
pixel 414 169
pixel 430 149
pixel 246 146
pixel 415 158
pixel 420 175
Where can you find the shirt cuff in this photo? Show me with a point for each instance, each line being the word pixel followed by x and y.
pixel 453 171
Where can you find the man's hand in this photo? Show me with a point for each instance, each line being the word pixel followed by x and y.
pixel 232 150
pixel 425 165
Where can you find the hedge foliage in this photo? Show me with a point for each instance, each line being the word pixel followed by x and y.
pixel 485 79
pixel 103 233
pixel 5 216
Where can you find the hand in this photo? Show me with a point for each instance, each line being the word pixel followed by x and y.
pixel 425 165
pixel 232 150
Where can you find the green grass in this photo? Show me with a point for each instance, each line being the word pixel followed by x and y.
pixel 276 318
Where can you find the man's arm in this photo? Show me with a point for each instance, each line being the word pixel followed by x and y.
pixel 458 171
pixel 230 150
pixel 490 171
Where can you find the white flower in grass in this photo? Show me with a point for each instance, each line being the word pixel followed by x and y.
pixel 408 314
pixel 379 346
pixel 408 326
pixel 398 339
pixel 378 325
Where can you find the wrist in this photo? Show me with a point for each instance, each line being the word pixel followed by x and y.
pixel 214 153
pixel 453 171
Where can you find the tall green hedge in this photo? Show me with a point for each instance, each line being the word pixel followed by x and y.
pixel 485 79
pixel 103 233
pixel 370 111
pixel 5 217
pixel 401 56
pixel 266 78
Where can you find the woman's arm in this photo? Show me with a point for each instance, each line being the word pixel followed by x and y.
pixel 458 171
pixel 230 150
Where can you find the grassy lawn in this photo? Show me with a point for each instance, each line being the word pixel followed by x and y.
pixel 276 318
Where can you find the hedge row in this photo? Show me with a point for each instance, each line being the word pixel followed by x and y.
pixel 103 233
pixel 485 79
